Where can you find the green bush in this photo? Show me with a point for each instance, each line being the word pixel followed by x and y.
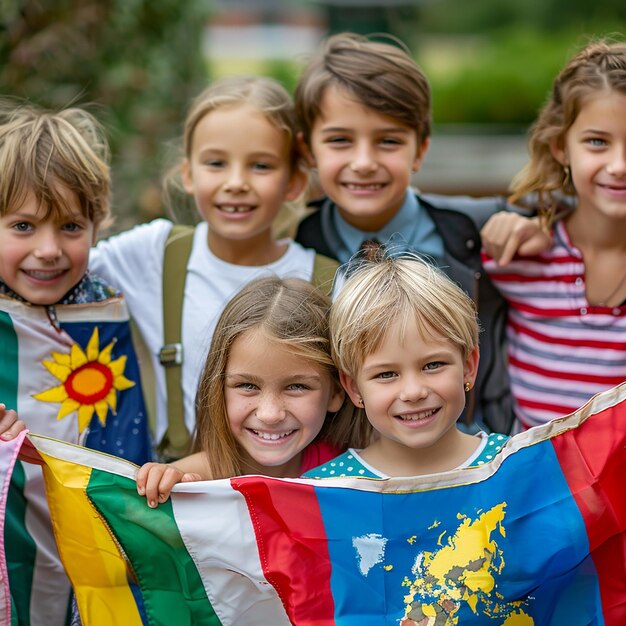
pixel 500 78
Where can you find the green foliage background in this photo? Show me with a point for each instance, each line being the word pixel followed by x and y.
pixel 135 63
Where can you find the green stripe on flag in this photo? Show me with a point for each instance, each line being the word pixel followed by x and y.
pixel 171 586
pixel 19 546
pixel 8 361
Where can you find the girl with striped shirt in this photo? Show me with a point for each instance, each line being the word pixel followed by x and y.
pixel 567 304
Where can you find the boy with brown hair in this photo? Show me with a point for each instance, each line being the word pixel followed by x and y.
pixel 364 110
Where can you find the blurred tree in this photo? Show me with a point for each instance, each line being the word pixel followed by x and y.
pixel 542 15
pixel 138 62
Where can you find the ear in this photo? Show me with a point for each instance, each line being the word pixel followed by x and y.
pixel 336 398
pixel 349 384
pixel 305 151
pixel 297 183
pixel 186 177
pixel 557 152
pixel 421 153
pixel 470 369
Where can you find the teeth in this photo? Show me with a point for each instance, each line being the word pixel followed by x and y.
pixel 235 209
pixel 271 436
pixel 43 275
pixel 417 417
pixel 370 187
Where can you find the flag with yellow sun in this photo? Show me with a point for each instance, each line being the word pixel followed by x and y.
pixel 72 374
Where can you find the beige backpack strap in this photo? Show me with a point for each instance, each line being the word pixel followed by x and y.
pixel 324 269
pixel 177 440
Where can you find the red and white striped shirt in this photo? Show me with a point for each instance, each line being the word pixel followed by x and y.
pixel 562 350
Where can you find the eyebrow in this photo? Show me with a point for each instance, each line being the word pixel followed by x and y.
pixel 292 377
pixel 221 152
pixel 387 129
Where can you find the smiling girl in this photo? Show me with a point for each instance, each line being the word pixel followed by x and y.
pixel 567 306
pixel 266 392
pixel 239 165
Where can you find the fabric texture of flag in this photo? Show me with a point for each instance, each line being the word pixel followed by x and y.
pixel 71 374
pixel 535 537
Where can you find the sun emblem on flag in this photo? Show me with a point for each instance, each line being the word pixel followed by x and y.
pixel 90 381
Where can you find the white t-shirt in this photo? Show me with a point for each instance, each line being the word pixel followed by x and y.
pixel 133 263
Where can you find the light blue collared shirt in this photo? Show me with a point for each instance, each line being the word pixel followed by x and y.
pixel 410 229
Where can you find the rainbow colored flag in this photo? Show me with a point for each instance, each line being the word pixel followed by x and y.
pixel 535 537
pixel 71 373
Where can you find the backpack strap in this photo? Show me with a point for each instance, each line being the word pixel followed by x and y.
pixel 324 269
pixel 176 441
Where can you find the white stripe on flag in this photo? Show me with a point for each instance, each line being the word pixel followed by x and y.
pixel 216 542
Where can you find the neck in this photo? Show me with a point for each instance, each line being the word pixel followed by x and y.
pixel 393 458
pixel 290 469
pixel 605 233
pixel 260 250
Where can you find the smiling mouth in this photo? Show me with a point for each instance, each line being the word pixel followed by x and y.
pixel 417 417
pixel 272 436
pixel 239 208
pixel 364 186
pixel 44 274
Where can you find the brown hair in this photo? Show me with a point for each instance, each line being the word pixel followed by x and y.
pixel 383 290
pixel 292 313
pixel 597 68
pixel 379 75
pixel 265 94
pixel 44 152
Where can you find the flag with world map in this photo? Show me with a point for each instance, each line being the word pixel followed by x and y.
pixel 535 537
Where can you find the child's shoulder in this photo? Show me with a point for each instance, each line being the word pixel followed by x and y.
pixel 91 288
pixel 490 446
pixel 313 229
pixel 347 464
pixel 478 209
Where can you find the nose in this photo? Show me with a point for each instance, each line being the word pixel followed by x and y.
pixel 413 389
pixel 617 165
pixel 236 181
pixel 270 409
pixel 47 247
pixel 364 161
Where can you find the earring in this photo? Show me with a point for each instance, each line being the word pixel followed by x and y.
pixel 360 401
pixel 467 386
pixel 566 177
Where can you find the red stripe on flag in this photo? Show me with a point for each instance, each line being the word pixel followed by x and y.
pixel 593 460
pixel 292 547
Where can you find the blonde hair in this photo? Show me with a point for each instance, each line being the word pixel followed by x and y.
pixel 265 94
pixel 290 312
pixel 386 290
pixel 44 152
pixel 597 68
pixel 379 75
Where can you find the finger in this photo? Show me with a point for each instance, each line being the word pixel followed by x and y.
pixel 536 244
pixel 14 430
pixel 140 478
pixel 153 481
pixel 171 477
pixel 8 419
pixel 190 478
pixel 509 250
